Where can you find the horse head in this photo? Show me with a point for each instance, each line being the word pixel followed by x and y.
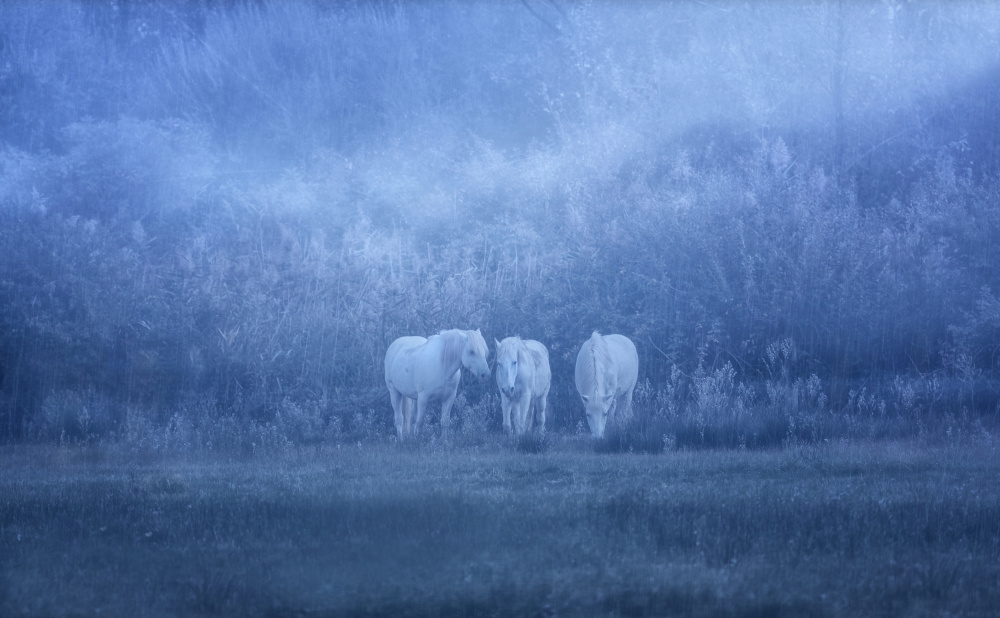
pixel 507 353
pixel 474 354
pixel 597 383
pixel 598 406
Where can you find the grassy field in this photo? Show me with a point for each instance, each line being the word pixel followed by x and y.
pixel 874 529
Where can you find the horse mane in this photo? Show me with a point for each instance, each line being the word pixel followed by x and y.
pixel 599 356
pixel 454 342
pixel 478 343
pixel 452 345
pixel 506 346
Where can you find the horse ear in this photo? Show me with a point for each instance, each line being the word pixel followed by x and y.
pixel 496 342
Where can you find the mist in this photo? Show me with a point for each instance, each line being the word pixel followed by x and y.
pixel 225 227
pixel 217 210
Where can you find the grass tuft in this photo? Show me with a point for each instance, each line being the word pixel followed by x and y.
pixel 532 442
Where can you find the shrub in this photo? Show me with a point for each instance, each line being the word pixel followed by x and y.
pixel 476 422
pixel 306 423
pixel 75 416
pixel 641 434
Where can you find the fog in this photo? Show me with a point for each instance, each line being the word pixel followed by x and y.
pixel 220 215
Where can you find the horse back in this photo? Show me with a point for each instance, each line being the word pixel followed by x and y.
pixel 626 359
pixel 582 371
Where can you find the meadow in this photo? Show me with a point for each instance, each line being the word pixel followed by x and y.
pixel 216 217
pixel 843 528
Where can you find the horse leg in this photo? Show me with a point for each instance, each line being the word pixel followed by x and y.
pixel 505 406
pixel 540 403
pixel 625 405
pixel 407 405
pixel 399 410
pixel 418 420
pixel 621 405
pixel 523 409
pixel 449 400
pixel 612 414
pixel 451 390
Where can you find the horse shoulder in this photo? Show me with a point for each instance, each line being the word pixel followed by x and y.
pixel 581 366
pixel 543 378
pixel 583 355
pixel 540 355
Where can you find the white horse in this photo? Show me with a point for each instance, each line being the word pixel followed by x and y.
pixel 523 376
pixel 418 369
pixel 607 369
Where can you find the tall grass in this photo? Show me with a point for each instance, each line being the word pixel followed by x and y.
pixel 719 411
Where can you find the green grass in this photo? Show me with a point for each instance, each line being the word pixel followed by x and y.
pixel 875 529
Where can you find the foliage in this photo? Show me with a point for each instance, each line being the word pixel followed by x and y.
pixel 242 205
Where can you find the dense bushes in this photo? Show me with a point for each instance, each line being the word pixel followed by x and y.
pixel 215 234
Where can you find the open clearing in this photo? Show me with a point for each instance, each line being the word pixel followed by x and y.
pixel 377 530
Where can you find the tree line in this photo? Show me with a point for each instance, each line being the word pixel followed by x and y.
pixel 225 213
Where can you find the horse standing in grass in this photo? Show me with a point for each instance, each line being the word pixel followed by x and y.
pixel 607 369
pixel 419 370
pixel 523 376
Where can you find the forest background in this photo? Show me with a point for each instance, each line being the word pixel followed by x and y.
pixel 216 216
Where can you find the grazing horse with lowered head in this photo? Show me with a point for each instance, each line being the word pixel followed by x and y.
pixel 419 370
pixel 607 369
pixel 523 376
